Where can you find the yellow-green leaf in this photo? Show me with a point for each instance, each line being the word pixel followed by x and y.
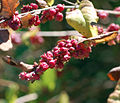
pixel 50 2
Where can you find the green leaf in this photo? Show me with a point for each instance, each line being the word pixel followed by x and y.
pixel 64 98
pixel 49 78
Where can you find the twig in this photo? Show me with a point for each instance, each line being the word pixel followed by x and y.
pixel 38 11
pixel 69 2
pixel 27 98
pixel 109 11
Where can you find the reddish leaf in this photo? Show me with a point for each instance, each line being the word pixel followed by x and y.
pixel 8 7
pixel 25 20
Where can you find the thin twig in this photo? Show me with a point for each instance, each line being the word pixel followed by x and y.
pixel 109 11
pixel 27 98
pixel 38 11
pixel 71 3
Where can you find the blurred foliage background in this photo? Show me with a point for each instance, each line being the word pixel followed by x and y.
pixel 81 81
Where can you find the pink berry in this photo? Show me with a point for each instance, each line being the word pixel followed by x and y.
pixel 44 66
pixel 52 12
pixel 59 16
pixel 37 23
pixel 34 6
pixel 60 7
pixel 14 22
pixel 102 15
pixel 100 30
pixel 113 27
pixel 52 63
pixel 50 18
pixel 117 9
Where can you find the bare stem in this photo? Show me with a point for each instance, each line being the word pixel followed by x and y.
pixel 71 3
pixel 109 11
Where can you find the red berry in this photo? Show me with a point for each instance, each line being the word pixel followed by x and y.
pixel 60 7
pixel 100 30
pixel 50 18
pixel 52 63
pixel 37 23
pixel 14 22
pixel 52 12
pixel 59 16
pixel 103 14
pixel 44 66
pixel 34 6
pixel 117 9
pixel 113 27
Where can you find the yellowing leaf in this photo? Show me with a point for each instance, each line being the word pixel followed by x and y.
pixel 50 2
pixel 64 98
pixel 76 20
pixel 84 19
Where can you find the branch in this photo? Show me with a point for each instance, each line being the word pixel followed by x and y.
pixel 27 98
pixel 109 11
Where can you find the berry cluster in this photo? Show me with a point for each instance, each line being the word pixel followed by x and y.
pixel 14 22
pixel 113 27
pixel 53 14
pixel 35 19
pixel 56 58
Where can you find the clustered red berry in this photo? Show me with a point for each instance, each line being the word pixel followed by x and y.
pixel 53 14
pixel 14 22
pixel 35 19
pixel 113 27
pixel 36 39
pixel 30 7
pixel 102 14
pixel 56 58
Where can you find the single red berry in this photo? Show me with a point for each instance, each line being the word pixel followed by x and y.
pixel 44 66
pixel 37 22
pixel 60 7
pixel 59 16
pixel 61 44
pixel 34 6
pixel 100 30
pixel 52 12
pixel 50 18
pixel 103 14
pixel 52 63
pixel 117 9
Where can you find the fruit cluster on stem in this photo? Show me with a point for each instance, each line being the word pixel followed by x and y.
pixel 57 57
